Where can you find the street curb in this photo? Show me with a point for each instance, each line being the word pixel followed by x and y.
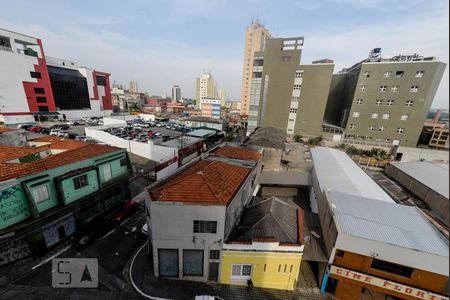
pixel 132 281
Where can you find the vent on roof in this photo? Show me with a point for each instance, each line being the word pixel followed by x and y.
pixel 200 173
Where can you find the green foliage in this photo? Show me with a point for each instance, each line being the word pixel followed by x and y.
pixel 376 153
pixel 298 138
pixel 316 141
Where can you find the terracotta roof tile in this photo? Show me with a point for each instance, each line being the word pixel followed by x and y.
pixel 238 153
pixel 76 153
pixel 6 129
pixel 213 182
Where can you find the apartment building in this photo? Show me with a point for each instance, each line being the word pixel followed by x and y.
pixel 255 39
pixel 223 96
pixel 210 107
pixel 383 99
pixel 36 87
pixel 133 87
pixel 176 93
pixel 53 188
pixel 376 248
pixel 206 87
pixel 286 94
pixel 192 212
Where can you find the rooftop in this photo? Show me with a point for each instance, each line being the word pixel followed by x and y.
pixel 433 174
pixel 272 219
pixel 60 152
pixel 337 172
pixel 267 137
pixel 203 119
pixel 237 153
pixel 387 223
pixel 205 182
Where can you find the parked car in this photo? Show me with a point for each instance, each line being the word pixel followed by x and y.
pixel 59 126
pixel 71 135
pixel 62 133
pixel 158 134
pixel 76 122
pixel 160 125
pixel 25 126
pixel 44 130
pixel 128 208
pixel 83 138
pixel 54 131
pixel 35 129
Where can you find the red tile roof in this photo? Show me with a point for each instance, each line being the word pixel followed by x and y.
pixel 77 152
pixel 6 129
pixel 206 182
pixel 238 153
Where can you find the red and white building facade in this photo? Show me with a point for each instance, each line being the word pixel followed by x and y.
pixel 26 89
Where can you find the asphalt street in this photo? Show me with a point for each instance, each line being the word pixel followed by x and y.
pixel 113 251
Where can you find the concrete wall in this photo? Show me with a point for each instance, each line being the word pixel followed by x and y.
pixel 416 154
pixel 13 138
pixel 150 151
pixel 172 228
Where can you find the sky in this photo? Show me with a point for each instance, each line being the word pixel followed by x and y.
pixel 160 43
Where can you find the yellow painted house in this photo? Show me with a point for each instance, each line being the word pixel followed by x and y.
pixel 266 247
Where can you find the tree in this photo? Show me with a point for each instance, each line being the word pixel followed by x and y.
pixel 316 141
pixel 298 138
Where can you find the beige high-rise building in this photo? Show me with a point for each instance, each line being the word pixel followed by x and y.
pixel 255 40
pixel 133 87
pixel 222 95
pixel 206 87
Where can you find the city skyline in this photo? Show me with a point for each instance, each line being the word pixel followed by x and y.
pixel 169 38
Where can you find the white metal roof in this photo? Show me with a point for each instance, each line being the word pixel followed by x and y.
pixel 395 232
pixel 336 171
pixel 433 174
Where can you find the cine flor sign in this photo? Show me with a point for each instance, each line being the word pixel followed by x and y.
pixel 386 284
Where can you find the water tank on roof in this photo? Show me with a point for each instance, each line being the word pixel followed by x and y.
pixel 375 54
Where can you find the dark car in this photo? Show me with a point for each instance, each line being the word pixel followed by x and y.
pixel 59 126
pixel 71 135
pixel 44 130
pixel 128 208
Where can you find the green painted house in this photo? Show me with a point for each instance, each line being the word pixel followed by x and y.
pixel 48 193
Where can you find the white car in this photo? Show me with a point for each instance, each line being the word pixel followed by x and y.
pixel 54 132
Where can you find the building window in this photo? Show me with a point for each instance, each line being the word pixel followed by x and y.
pixel 381 128
pixel 363 87
pixel 296 99
pixel 123 162
pixel 205 226
pixel 286 58
pixel 241 271
pixel 192 262
pixel 390 102
pixel 101 80
pixel 297 86
pixel 386 116
pixel 279 268
pixel 404 117
pixel 375 116
pixel 391 268
pixel 40 194
pixel 378 102
pixel 399 74
pixel 41 99
pixel 387 74
pixel 359 101
pixel 394 88
pixel 383 88
pixel 352 126
pixel 43 108
pixel 39 90
pixel 355 114
pixel 298 74
pixel 400 130
pixel 371 128
pixel 80 181
pixel 38 75
pixel 366 74
pixel 293 110
pixel 409 103
pixel 339 253
pixel 414 89
pixel 419 74
pixel 214 254
pixel 290 269
pixel 107 172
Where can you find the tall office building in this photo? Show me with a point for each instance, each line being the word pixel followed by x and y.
pixel 286 94
pixel 384 100
pixel 176 93
pixel 255 38
pixel 206 87
pixel 134 87
pixel 222 95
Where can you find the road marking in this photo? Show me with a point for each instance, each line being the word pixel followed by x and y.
pixel 50 258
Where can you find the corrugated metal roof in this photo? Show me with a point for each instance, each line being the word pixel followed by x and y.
pixel 434 175
pixel 337 172
pixel 390 223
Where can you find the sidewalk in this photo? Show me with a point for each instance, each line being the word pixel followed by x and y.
pixel 142 276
